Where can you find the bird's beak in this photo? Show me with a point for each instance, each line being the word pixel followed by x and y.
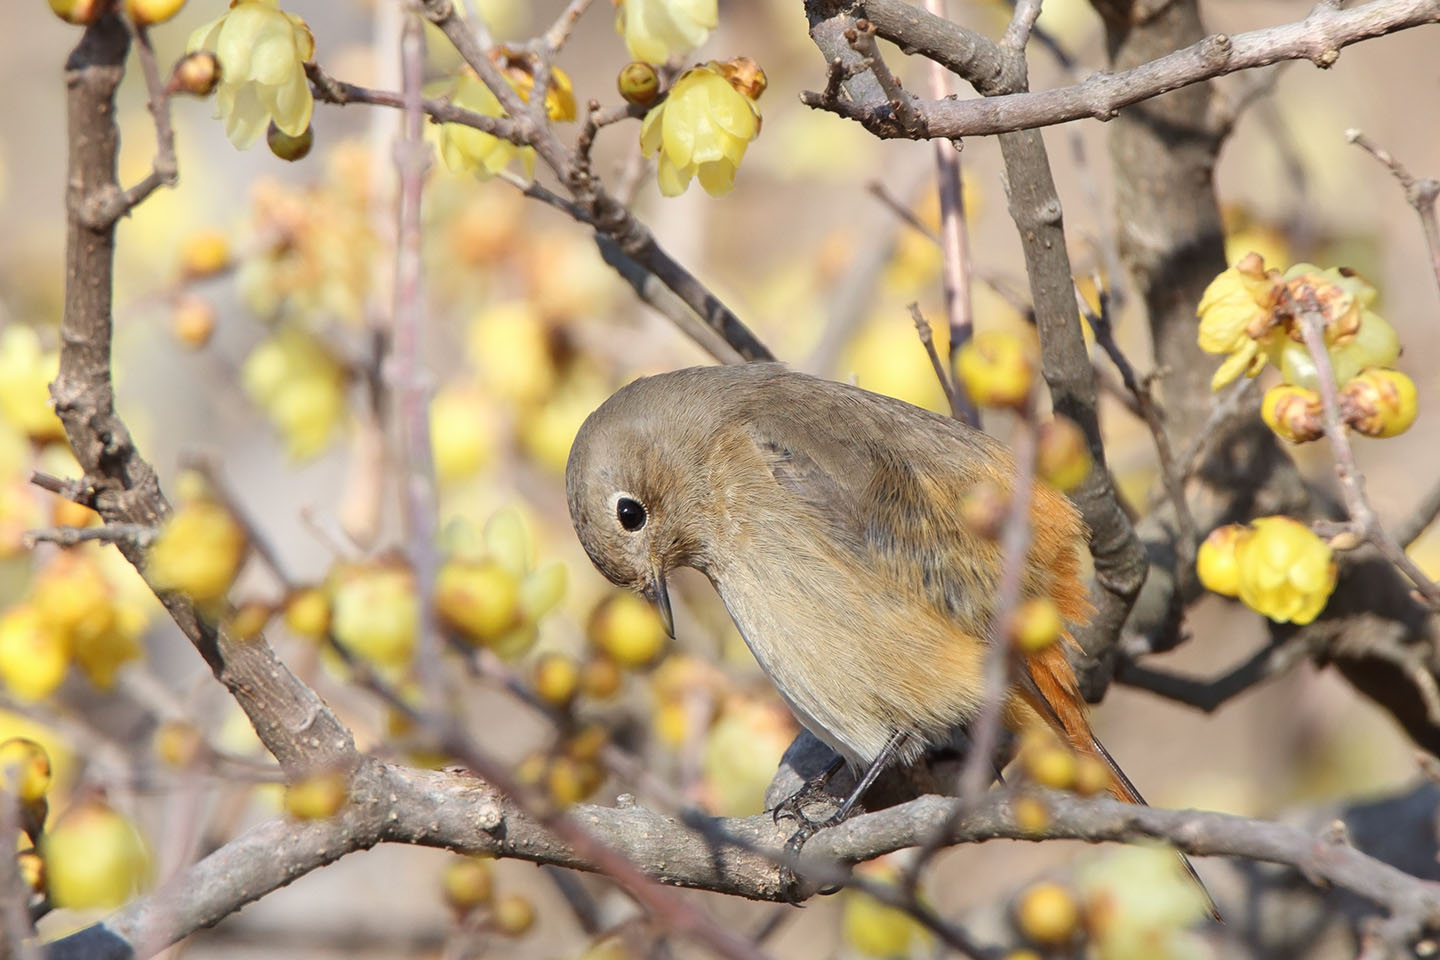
pixel 657 593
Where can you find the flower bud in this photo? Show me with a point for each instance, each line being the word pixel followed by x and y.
pixel 1062 457
pixel 997 368
pixel 1035 625
pixel 196 74
pixel 79 11
pixel 26 768
pixel 289 148
pixel 556 678
pixel 1047 914
pixel 146 12
pixel 192 321
pixel 468 883
pixel 1294 413
pixel 628 630
pixel 514 915
pixel 1379 402
pixel 639 83
pixel 1215 560
pixel 317 797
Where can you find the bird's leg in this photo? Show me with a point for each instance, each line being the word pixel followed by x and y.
pixel 793 806
pixel 879 765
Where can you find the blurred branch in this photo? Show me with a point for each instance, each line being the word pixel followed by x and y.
pixel 135 533
pixel 1318 38
pixel 1273 659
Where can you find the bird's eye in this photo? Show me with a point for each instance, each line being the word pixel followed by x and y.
pixel 630 514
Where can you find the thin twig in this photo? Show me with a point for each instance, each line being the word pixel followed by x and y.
pixel 862 40
pixel 559 32
pixel 409 379
pixel 1143 390
pixel 1420 193
pixel 1307 312
pixel 927 339
pixel 954 238
pixel 138 534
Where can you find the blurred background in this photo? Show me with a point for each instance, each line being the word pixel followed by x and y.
pixel 245 303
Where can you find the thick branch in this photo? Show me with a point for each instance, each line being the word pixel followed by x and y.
pixel 290 719
pixel 731 856
pixel 1318 38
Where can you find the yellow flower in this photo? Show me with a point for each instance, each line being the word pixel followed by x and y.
pixel 466 149
pixel 262 52
pixel 300 386
pixel 199 552
pixel 25 375
pixel 1235 315
pixel 701 129
pixel 656 30
pixel 1379 402
pixel 1356 336
pixel 1285 571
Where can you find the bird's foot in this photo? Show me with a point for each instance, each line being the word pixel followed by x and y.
pixel 813 791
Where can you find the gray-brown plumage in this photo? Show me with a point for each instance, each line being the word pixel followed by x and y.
pixel 828 520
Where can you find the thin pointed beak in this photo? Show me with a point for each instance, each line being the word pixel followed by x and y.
pixel 659 594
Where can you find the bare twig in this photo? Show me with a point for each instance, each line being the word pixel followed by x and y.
pixel 1308 314
pixel 1142 390
pixel 861 38
pixel 406 367
pixel 1420 193
pixel 927 340
pixel 141 536
pixel 954 237
pixel 1269 661
pixel 559 31
pixel 1318 38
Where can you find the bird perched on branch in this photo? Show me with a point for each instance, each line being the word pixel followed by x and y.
pixel 828 519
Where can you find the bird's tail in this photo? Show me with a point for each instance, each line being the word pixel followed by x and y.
pixel 1052 691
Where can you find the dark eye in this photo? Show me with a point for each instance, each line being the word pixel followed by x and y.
pixel 630 514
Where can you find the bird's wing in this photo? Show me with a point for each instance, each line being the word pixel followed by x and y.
pixel 887 480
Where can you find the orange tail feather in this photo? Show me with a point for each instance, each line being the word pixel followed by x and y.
pixel 1054 694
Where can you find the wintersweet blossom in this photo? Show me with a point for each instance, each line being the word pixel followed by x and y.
pixel 1285 571
pixel 701 129
pixel 262 52
pixel 656 30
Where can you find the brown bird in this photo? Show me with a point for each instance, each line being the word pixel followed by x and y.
pixel 828 520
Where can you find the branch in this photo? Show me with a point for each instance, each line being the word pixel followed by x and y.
pixel 736 856
pixel 103 210
pixel 1318 38
pixel 1352 481
pixel 294 724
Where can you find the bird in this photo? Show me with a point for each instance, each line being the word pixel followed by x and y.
pixel 828 520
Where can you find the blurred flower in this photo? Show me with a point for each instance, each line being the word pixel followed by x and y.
pixel 1215 562
pixel 262 52
pixel 704 125
pixel 375 611
pixel 299 386
pixel 463 431
pixel 1139 905
pixel 25 374
pixel 94 857
pixel 33 654
pixel 317 244
pixel 997 368
pixel 199 552
pixel 1285 571
pixel 741 753
pixel 875 929
pixel 466 149
pixel 656 30
pixel 510 346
